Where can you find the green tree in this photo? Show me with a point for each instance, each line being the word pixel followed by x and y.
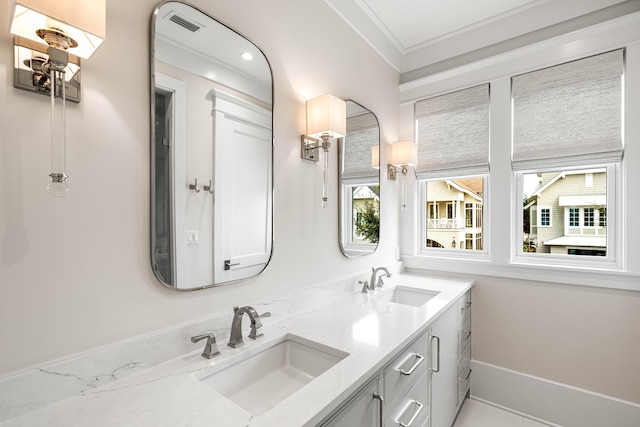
pixel 369 224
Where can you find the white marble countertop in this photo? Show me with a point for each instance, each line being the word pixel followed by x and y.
pixel 371 331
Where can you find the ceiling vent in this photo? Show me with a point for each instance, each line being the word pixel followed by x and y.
pixel 184 23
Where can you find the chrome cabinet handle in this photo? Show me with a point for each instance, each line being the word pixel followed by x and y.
pixel 381 400
pixel 416 411
pixel 466 378
pixel 437 354
pixel 419 360
pixel 466 307
pixel 467 334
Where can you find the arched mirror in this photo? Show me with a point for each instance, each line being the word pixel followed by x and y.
pixel 211 151
pixel 359 153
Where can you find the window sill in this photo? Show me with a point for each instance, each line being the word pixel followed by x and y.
pixel 564 275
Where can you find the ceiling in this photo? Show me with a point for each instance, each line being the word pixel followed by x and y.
pixel 417 34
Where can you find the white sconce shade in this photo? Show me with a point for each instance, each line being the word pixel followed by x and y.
pixel 404 153
pixel 81 20
pixel 375 157
pixel 326 114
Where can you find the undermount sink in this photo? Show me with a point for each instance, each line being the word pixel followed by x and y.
pixel 260 381
pixel 407 296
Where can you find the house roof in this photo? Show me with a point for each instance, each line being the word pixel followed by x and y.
pixel 583 241
pixel 475 185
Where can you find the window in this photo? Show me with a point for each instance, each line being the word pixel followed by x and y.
pixel 433 210
pixel 555 110
pixel 453 162
pixel 545 217
pixel 455 230
pixel 589 217
pixel 574 217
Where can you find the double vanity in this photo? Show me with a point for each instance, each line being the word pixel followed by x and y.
pixel 395 355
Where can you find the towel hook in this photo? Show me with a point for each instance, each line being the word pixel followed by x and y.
pixel 209 187
pixel 194 187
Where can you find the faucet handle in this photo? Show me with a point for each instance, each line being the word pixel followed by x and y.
pixel 365 286
pixel 211 349
pixel 256 325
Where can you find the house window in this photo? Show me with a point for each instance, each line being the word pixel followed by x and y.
pixel 479 241
pixel 468 214
pixel 602 217
pixel 545 217
pixel 589 217
pixel 478 215
pixel 433 210
pixel 468 241
pixel 574 217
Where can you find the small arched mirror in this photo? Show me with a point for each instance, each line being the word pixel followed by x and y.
pixel 212 150
pixel 359 159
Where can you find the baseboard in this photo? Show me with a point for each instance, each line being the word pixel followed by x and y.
pixel 548 401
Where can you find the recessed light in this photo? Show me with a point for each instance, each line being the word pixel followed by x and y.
pixel 247 56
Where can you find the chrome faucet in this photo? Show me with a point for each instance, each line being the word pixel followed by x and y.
pixel 235 339
pixel 376 281
pixel 211 349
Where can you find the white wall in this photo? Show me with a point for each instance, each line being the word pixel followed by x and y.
pixel 75 272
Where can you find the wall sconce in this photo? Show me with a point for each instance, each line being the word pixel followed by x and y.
pixel 326 120
pixel 375 157
pixel 50 37
pixel 404 154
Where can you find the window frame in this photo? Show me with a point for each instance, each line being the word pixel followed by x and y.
pixel 348 226
pixel 448 252
pixel 614 236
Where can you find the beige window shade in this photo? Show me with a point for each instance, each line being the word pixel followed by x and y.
pixel 453 133
pixel 569 114
pixel 362 135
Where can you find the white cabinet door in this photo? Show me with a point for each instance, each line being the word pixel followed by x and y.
pixel 363 410
pixel 444 369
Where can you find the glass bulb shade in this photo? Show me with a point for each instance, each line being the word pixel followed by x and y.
pixel 404 153
pixel 375 157
pixel 326 114
pixel 58 189
pixel 83 21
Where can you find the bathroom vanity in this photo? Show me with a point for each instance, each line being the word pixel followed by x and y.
pixel 396 355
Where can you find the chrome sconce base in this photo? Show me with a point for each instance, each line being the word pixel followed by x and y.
pixel 310 148
pixel 30 69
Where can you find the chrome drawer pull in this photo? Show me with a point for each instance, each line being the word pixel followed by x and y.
pixel 381 400
pixel 435 337
pixel 419 360
pixel 416 411
pixel 466 378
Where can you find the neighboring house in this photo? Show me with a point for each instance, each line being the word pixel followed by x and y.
pixel 454 213
pixel 568 213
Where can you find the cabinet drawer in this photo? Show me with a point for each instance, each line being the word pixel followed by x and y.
pixel 413 408
pixel 410 364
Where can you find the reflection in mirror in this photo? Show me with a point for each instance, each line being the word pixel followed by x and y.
pixel 360 182
pixel 212 149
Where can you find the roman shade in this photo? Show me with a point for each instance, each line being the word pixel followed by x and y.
pixel 569 114
pixel 453 134
pixel 362 135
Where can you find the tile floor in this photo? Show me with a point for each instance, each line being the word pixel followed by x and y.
pixel 478 414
